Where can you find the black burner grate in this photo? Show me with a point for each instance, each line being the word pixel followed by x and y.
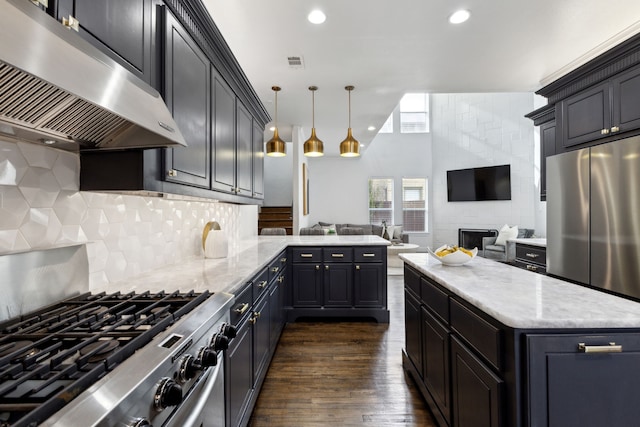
pixel 49 356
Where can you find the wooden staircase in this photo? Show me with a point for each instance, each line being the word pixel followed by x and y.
pixel 276 216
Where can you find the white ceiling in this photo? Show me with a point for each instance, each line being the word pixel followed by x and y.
pixel 387 48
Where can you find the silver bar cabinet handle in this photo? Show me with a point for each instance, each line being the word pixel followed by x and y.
pixel 611 348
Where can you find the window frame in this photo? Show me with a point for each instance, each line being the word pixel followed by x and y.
pixel 425 209
pixel 391 209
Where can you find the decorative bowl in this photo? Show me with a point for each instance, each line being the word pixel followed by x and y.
pixel 453 259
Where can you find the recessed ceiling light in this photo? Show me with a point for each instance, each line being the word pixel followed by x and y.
pixel 317 17
pixel 272 128
pixel 459 16
pixel 371 128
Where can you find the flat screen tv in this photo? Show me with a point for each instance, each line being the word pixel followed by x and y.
pixel 478 184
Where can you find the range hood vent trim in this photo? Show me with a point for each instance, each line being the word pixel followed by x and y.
pixel 56 86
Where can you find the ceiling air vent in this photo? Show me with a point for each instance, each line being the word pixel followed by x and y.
pixel 296 62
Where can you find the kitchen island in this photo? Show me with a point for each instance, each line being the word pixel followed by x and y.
pixel 490 344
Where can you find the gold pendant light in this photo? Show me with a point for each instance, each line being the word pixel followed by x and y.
pixel 275 146
pixel 313 147
pixel 350 147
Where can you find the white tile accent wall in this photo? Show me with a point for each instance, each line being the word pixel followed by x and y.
pixel 41 207
pixel 476 130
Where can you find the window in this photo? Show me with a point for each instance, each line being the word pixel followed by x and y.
pixel 387 127
pixel 414 204
pixel 414 113
pixel 380 200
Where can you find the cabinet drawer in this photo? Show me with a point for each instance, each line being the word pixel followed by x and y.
pixel 261 283
pixel 306 255
pixel 534 254
pixel 412 280
pixel 530 266
pixel 275 268
pixel 435 299
pixel 369 254
pixel 337 255
pixel 242 306
pixel 480 334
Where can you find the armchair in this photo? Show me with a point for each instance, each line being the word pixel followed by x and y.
pixel 506 252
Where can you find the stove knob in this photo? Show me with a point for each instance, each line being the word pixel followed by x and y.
pixel 167 394
pixel 140 422
pixel 189 367
pixel 228 330
pixel 207 357
pixel 219 342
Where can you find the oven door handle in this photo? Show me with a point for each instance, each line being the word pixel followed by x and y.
pixel 190 413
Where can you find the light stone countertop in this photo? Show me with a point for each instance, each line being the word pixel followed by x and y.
pixel 523 299
pixel 542 242
pixel 229 274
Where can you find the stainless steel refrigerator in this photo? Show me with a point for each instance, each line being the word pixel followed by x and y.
pixel 593 216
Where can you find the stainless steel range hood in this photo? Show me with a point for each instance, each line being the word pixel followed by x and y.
pixel 57 88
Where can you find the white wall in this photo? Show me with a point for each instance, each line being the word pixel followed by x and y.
pixel 278 178
pixel 467 130
pixel 475 130
pixel 339 186
pixel 41 207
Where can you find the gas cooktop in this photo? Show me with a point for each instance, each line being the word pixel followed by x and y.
pixel 49 356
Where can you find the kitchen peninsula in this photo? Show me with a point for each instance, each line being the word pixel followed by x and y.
pixel 490 344
pixel 276 279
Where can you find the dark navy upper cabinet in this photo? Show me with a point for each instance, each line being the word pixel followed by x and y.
pixel 244 151
pixel 586 116
pixel 123 29
pixel 224 135
pixel 186 94
pixel 626 100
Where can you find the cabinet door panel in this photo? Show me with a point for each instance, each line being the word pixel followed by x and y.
pixel 476 390
pixel 307 285
pixel 258 162
pixel 261 338
pixel 370 283
pixel 626 100
pixel 120 28
pixel 413 331
pixel 435 351
pixel 224 136
pixel 568 387
pixel 548 148
pixel 244 153
pixel 239 373
pixel 585 115
pixel 187 95
pixel 338 285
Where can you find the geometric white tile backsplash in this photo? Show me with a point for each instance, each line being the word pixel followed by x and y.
pixel 41 207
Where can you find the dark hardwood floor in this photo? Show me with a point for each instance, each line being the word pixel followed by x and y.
pixel 342 374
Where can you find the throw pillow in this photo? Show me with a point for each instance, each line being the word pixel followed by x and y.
pixel 329 229
pixel 390 230
pixel 506 233
pixel 397 232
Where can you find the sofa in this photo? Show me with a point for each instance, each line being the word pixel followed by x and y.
pixel 325 228
pixel 506 252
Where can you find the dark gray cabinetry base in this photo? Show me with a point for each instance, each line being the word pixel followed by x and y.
pixel 532 258
pixel 494 375
pixel 258 314
pixel 339 281
pixel 477 400
pixel 569 387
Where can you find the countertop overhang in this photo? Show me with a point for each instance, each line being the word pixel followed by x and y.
pixel 526 300
pixel 247 257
